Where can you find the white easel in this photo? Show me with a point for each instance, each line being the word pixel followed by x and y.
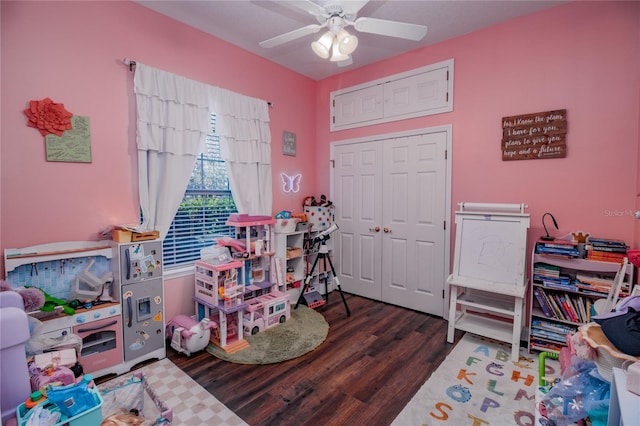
pixel 489 282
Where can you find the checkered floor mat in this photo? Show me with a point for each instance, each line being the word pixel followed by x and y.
pixel 190 402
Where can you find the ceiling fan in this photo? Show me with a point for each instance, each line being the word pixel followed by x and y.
pixel 335 15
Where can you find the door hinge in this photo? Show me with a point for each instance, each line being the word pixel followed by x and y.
pixel 447 100
pixel 447 75
pixel 333 164
pixel 334 102
pixel 445 225
pixel 446 153
pixel 443 293
pixel 334 119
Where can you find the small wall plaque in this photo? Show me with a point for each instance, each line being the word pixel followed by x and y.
pixel 289 143
pixel 74 146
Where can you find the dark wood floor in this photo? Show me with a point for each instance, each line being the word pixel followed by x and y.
pixel 367 370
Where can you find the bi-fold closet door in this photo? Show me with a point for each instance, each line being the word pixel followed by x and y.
pixel 392 199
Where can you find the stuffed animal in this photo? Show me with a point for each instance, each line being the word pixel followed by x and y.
pixel 32 297
pixel 582 348
pixel 309 201
pixel 193 336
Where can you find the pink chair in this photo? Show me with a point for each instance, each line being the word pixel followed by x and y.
pixel 14 375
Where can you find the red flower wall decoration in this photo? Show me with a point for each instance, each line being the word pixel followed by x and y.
pixel 48 117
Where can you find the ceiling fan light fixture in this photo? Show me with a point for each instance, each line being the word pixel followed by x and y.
pixel 336 55
pixel 347 43
pixel 322 47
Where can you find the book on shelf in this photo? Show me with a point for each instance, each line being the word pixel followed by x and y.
pixel 547 346
pixel 546 309
pixel 564 299
pixel 605 256
pixel 581 305
pixel 606 249
pixel 557 337
pixel 562 306
pixel 554 285
pixel 556 308
pixel 552 326
pixel 606 242
pixel 568 251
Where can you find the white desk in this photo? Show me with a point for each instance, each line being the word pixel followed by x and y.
pixel 624 407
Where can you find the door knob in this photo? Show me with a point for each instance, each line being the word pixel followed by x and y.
pixel 387 230
pixel 376 229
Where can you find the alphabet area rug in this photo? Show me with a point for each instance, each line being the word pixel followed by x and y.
pixel 478 384
pixel 190 403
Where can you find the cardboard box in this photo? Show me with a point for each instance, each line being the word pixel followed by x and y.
pixel 121 235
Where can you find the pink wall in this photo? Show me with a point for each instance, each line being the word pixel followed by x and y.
pixel 72 52
pixel 583 57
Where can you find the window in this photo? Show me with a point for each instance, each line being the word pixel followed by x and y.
pixel 204 210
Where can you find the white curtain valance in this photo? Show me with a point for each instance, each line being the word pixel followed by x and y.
pixel 173 112
pixel 173 120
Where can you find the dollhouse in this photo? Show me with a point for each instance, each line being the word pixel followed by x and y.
pixel 232 290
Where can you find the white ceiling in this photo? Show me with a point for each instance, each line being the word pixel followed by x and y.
pixel 245 23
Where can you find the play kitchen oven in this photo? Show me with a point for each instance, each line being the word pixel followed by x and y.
pixel 101 332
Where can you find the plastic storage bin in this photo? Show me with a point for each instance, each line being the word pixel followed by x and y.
pixel 92 416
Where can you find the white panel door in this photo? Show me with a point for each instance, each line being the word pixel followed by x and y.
pixel 358 106
pixel 421 92
pixel 391 205
pixel 413 243
pixel 358 200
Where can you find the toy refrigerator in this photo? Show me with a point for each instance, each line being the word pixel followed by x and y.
pixel 138 271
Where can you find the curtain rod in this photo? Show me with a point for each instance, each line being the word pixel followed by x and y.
pixel 132 64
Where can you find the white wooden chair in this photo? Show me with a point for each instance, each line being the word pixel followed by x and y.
pixel 602 306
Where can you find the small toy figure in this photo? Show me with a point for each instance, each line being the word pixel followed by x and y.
pixel 309 201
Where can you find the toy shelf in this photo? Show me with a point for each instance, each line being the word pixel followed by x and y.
pixel 547 331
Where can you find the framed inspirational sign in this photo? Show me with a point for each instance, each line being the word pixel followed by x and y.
pixel 535 136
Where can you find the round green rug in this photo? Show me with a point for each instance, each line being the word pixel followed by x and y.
pixel 302 333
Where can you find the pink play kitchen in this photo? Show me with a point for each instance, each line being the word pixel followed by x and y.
pixel 106 294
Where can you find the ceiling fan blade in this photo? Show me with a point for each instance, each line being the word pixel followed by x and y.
pixel 308 6
pixel 291 35
pixel 390 28
pixel 352 7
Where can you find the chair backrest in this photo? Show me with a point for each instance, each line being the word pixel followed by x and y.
pixel 603 306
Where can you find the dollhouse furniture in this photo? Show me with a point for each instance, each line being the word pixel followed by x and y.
pixel 488 283
pixel 14 333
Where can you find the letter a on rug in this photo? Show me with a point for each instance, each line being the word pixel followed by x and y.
pixel 478 384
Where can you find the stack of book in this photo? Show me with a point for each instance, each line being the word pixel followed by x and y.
pixel 598 285
pixel 550 277
pixel 606 250
pixel 563 306
pixel 560 248
pixel 550 331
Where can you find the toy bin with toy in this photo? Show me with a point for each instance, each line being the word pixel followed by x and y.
pixel 91 416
